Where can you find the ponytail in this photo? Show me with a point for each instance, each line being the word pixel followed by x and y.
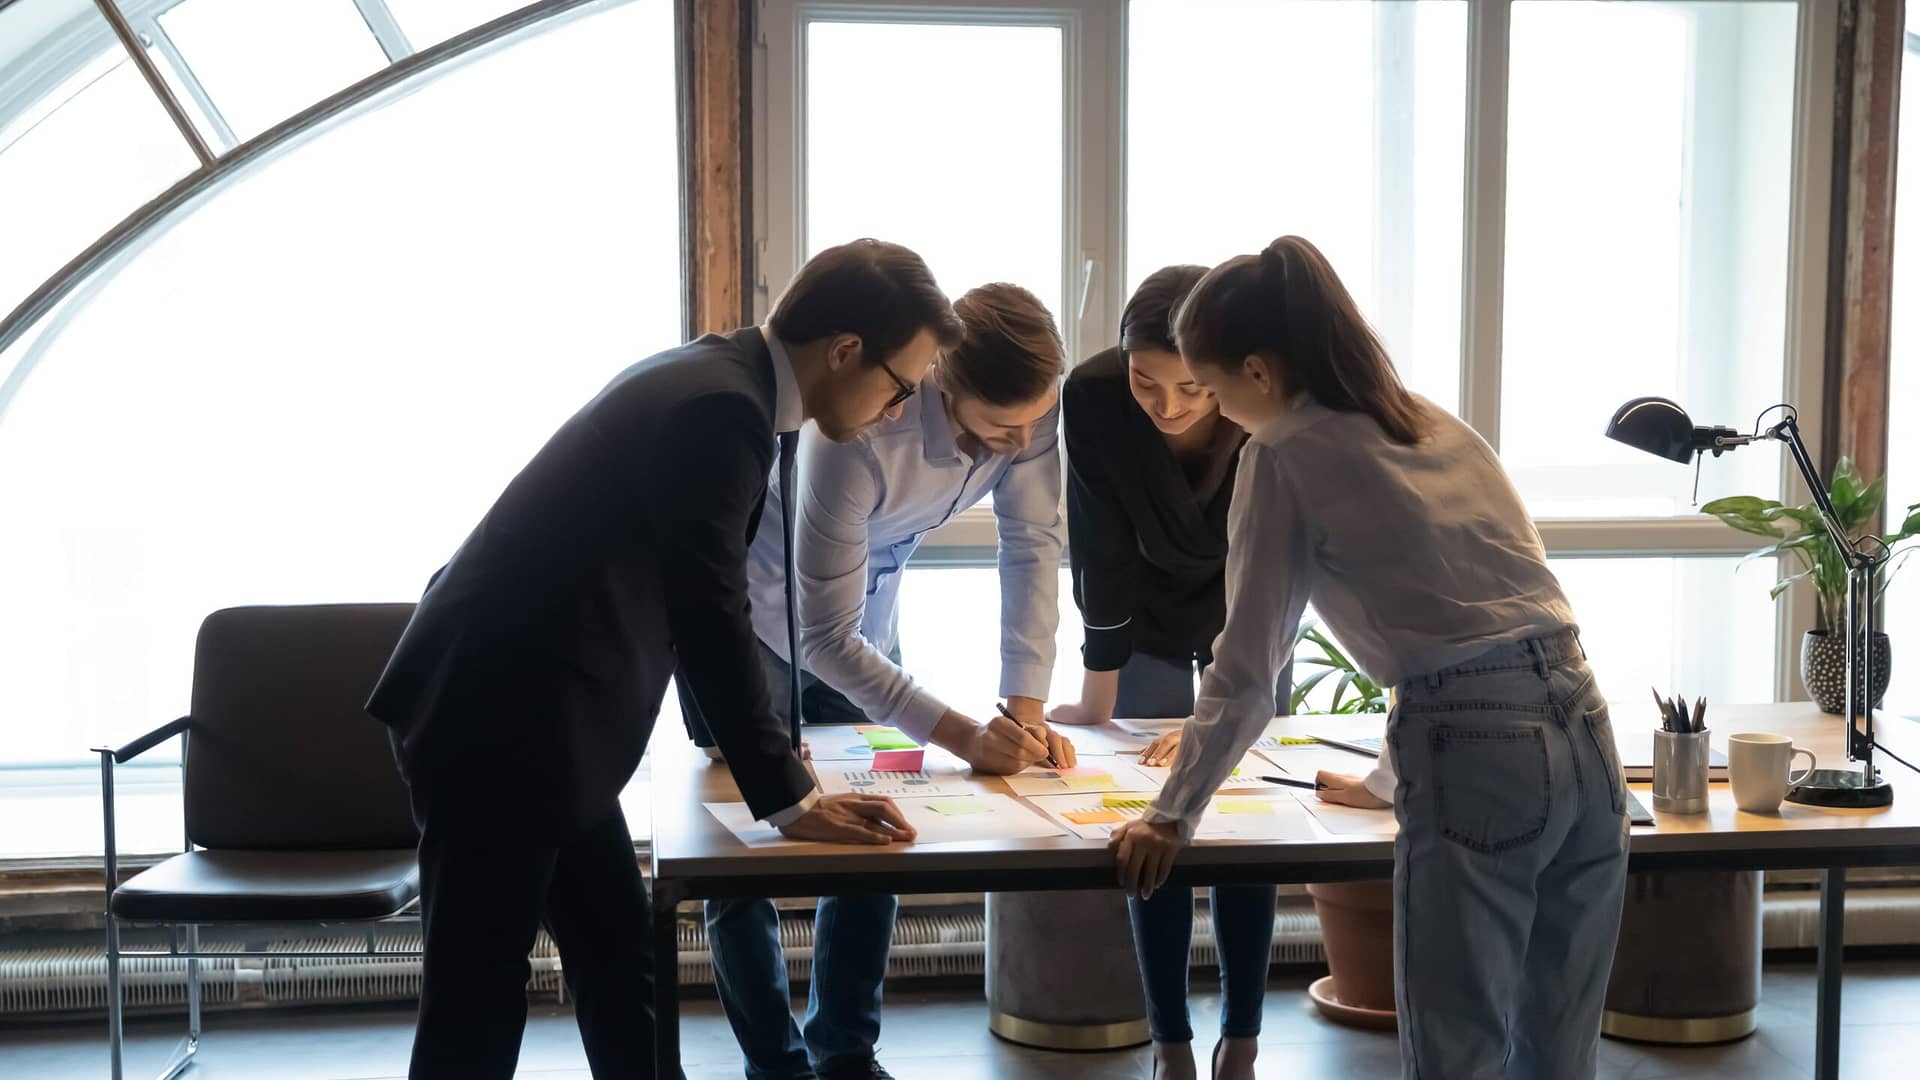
pixel 1288 304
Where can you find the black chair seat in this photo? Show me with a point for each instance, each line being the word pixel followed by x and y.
pixel 271 886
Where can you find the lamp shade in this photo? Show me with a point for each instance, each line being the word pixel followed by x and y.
pixel 1656 425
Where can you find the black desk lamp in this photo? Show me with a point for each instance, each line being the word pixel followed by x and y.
pixel 1663 428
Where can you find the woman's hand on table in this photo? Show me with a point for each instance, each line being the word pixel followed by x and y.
pixel 1144 854
pixel 851 819
pixel 1344 790
pixel 1161 750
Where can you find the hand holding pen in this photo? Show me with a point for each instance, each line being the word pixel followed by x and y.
pixel 1039 733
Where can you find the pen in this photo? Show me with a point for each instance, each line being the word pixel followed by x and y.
pixel 1700 715
pixel 1310 785
pixel 1666 711
pixel 1680 721
pixel 1002 706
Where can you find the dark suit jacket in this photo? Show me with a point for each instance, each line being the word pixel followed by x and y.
pixel 535 664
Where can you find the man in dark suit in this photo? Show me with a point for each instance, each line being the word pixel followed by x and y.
pixel 523 692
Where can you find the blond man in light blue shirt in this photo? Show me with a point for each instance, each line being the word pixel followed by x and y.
pixel 983 424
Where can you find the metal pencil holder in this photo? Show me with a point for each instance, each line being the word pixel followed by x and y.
pixel 1680 772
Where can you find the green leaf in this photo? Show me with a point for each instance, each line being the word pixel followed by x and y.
pixel 1306 686
pixel 1845 490
pixel 1340 690
pixel 1909 527
pixel 1799 545
pixel 1786 583
pixel 1739 504
pixel 1752 525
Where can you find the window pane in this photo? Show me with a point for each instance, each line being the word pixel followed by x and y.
pixel 1688 626
pixel 261 63
pixel 908 139
pixel 1648 154
pixel 1639 621
pixel 322 377
pixel 77 161
pixel 430 22
pixel 1903 395
pixel 1342 122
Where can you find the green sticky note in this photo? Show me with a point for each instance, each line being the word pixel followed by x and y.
pixel 886 738
pixel 1125 802
pixel 1244 806
pixel 958 807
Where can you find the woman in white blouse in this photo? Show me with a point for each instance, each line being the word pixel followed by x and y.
pixel 1397 521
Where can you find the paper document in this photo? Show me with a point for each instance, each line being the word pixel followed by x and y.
pixel 1304 762
pixel 1103 740
pixel 1103 774
pixel 842 779
pixel 1348 820
pixel 1246 775
pixel 937 821
pixel 1227 817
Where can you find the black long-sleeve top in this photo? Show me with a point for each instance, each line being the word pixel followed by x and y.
pixel 1147 533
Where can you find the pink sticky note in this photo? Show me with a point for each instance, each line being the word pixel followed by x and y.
pixel 898 760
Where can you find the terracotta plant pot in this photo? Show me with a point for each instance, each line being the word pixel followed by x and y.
pixel 1356 927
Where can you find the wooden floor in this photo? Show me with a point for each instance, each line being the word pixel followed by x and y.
pixel 940 1034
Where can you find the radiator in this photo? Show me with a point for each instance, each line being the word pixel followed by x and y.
pixel 69 979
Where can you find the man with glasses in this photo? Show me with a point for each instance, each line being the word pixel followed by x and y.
pixel 524 690
pixel 984 423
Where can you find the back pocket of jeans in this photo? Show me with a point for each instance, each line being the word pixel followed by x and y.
pixel 1493 785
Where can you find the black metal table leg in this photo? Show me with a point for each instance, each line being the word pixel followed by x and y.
pixel 1833 925
pixel 666 979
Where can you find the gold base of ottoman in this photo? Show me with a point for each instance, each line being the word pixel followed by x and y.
pixel 1068 1036
pixel 1677 1031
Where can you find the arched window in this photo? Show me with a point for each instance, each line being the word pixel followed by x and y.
pixel 306 375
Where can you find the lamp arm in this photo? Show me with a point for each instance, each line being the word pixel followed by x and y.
pixel 1788 431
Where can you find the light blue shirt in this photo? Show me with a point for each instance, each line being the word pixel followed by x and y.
pixel 865 506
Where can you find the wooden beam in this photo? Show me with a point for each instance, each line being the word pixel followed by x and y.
pixel 715 66
pixel 1868 107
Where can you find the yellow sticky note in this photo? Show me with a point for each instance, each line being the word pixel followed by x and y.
pixel 1094 817
pixel 958 807
pixel 1296 740
pixel 1088 781
pixel 1125 802
pixel 1244 806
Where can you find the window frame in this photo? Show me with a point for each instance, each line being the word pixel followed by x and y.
pixel 1094 67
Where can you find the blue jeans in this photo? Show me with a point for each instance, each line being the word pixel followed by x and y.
pixel 1163 926
pixel 1510 867
pixel 851 938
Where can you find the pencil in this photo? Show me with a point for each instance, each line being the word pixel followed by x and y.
pixel 1310 785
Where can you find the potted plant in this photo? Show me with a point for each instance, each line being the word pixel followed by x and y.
pixel 1356 917
pixel 1799 532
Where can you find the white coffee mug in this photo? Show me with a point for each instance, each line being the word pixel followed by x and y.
pixel 1758 763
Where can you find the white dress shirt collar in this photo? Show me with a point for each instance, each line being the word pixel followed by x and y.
pixel 788 411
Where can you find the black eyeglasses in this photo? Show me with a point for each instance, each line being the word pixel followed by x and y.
pixel 905 389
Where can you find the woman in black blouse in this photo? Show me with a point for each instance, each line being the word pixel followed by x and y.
pixel 1150 472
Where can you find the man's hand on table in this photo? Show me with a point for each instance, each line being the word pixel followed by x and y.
pixel 999 747
pixel 851 819
pixel 1031 713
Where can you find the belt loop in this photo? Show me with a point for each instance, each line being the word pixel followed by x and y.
pixel 1539 650
pixel 1434 681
